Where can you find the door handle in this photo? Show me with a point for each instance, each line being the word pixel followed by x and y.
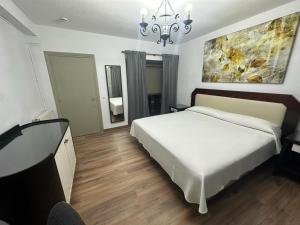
pixel 66 141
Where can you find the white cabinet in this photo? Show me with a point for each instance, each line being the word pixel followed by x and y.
pixel 68 142
pixel 66 162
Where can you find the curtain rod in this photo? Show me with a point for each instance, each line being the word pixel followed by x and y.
pixel 148 54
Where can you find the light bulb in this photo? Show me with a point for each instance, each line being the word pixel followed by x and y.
pixel 143 12
pixel 188 8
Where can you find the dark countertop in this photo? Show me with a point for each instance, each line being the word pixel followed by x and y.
pixel 179 106
pixel 35 142
pixel 295 137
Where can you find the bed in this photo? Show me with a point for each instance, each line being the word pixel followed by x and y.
pixel 116 105
pixel 217 141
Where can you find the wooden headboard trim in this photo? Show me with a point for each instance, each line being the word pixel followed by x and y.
pixel 293 106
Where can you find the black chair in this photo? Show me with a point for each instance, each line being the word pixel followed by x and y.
pixel 63 214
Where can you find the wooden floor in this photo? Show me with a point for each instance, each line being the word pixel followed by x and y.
pixel 116 182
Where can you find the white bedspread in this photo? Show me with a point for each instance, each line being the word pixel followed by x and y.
pixel 116 105
pixel 203 149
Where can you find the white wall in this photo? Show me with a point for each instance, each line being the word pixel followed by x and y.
pixel 191 60
pixel 107 51
pixel 42 76
pixel 16 17
pixel 20 100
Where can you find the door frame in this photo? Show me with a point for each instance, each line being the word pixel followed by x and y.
pixel 48 54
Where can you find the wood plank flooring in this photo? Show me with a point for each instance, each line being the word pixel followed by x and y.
pixel 116 182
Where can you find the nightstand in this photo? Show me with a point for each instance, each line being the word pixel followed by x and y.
pixel 289 158
pixel 177 108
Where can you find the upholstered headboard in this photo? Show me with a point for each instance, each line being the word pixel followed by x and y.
pixel 273 112
pixel 280 109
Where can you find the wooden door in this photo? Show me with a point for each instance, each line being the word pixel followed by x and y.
pixel 75 87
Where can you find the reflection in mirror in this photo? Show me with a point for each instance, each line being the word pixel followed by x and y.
pixel 115 94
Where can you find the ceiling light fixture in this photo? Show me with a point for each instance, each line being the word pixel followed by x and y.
pixel 166 21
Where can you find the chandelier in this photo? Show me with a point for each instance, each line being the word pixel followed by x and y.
pixel 165 22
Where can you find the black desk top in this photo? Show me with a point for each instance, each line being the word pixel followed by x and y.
pixel 294 138
pixel 179 106
pixel 30 144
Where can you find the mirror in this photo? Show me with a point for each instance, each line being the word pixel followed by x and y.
pixel 115 93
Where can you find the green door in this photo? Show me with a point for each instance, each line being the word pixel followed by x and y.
pixel 75 87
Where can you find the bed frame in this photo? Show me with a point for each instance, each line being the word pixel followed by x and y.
pixel 292 105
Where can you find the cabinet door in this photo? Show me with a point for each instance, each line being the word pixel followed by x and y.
pixel 64 170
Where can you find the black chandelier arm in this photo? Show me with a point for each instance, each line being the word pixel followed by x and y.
pixel 143 28
pixel 174 27
pixel 188 28
pixel 156 28
pixel 143 31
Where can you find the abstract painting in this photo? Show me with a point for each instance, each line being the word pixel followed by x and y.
pixel 258 54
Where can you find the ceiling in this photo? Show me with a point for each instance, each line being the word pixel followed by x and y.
pixel 121 17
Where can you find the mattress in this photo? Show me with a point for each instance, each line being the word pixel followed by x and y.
pixel 203 149
pixel 116 105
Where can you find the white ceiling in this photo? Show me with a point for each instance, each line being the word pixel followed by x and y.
pixel 121 17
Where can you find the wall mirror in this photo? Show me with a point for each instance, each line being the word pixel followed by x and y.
pixel 115 93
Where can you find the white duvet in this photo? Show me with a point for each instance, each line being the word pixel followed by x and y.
pixel 116 105
pixel 203 149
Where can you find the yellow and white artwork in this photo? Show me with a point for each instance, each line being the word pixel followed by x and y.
pixel 258 54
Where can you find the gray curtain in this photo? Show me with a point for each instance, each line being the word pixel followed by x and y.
pixel 136 85
pixel 169 81
pixel 116 81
